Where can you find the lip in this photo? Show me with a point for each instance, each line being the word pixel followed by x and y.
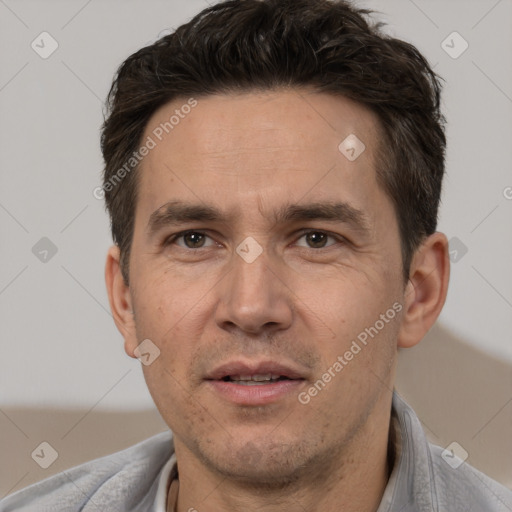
pixel 255 368
pixel 259 394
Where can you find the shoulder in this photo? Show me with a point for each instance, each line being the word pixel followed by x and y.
pixel 462 487
pixel 125 481
pixel 427 478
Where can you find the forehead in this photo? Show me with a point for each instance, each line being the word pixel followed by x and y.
pixel 257 145
pixel 299 117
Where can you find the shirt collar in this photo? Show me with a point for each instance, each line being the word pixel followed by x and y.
pixel 168 475
pixel 410 487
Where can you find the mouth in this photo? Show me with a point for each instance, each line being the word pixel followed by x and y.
pixel 255 380
pixel 246 383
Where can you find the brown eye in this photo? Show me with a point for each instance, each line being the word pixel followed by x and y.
pixel 194 240
pixel 191 240
pixel 316 239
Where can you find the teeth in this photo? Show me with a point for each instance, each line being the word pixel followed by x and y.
pixel 254 378
pixel 252 382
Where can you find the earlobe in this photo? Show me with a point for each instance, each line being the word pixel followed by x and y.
pixel 425 293
pixel 120 300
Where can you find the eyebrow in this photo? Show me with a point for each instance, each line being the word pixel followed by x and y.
pixel 180 212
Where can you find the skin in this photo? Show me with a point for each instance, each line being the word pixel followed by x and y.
pixel 299 302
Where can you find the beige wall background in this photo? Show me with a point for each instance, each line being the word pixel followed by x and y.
pixel 64 377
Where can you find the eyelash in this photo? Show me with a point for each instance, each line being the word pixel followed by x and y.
pixel 181 234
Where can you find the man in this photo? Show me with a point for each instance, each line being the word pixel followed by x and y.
pixel 273 174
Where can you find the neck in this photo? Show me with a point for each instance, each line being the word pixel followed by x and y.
pixel 352 480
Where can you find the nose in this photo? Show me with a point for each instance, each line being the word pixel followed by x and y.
pixel 254 297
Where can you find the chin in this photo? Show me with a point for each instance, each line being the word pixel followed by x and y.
pixel 272 466
pixel 273 477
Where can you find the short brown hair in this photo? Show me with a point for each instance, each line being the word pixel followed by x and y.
pixel 327 45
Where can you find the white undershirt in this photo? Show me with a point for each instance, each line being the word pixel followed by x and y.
pixel 163 485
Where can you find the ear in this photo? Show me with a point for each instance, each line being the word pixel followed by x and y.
pixel 120 300
pixel 425 293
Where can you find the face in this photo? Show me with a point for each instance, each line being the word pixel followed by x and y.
pixel 262 251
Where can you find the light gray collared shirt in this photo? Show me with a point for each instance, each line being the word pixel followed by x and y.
pixel 423 481
pixel 137 479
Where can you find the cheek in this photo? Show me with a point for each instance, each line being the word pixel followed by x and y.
pixel 163 304
pixel 362 321
pixel 345 300
pixel 168 393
